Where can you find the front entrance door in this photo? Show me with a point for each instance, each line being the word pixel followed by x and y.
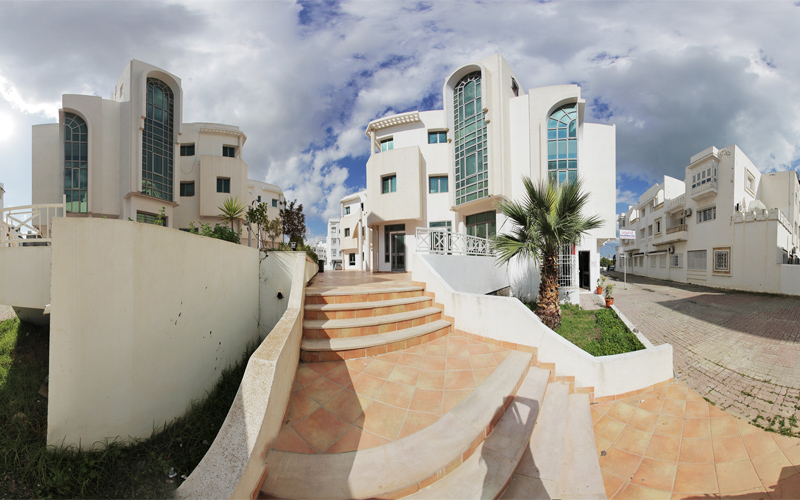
pixel 583 269
pixel 398 252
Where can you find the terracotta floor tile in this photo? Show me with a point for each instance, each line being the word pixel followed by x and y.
pixel 413 360
pixel 787 489
pixel 325 367
pixel 633 441
pixel 635 492
pixel 300 405
pixel 495 348
pixel 417 349
pixel 696 409
pixel 321 429
pixel 427 401
pixel 611 483
pixel 478 348
pixel 289 440
pixel 696 451
pixel 382 420
pixel 356 439
pixel 416 421
pixel 296 386
pixel 395 394
pixel 366 385
pixel 459 363
pixel 454 349
pixel 759 443
pixel 664 448
pixel 724 427
pixel 456 380
pixel 358 364
pixel 643 420
pixel 434 362
pixel 667 425
pixel 501 356
pixel 457 339
pixel 322 390
pixel 651 403
pixel 693 396
pixel 601 444
pixel 793 454
pixel 481 374
pixel 305 375
pixel 436 350
pixel 603 407
pixel 677 391
pixel 729 449
pixel 772 469
pixel 380 369
pixel 784 441
pixel 745 428
pixel 596 415
pixel 655 474
pixel 694 496
pixel 431 380
pixel 713 411
pixel 620 463
pixel 483 361
pixel 453 398
pixel 391 357
pixel 404 375
pixel 697 428
pixel 348 405
pixel 621 411
pixel 342 375
pixel 674 407
pixel 737 476
pixel 609 428
pixel 696 478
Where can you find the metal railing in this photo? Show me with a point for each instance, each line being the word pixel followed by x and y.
pixel 676 228
pixel 30 224
pixel 444 242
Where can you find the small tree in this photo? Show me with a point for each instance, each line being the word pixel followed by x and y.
pixel 265 229
pixel 232 210
pixel 273 230
pixel 293 222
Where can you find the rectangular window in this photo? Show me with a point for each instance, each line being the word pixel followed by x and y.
pixel 514 87
pixel 751 182
pixel 675 260
pixel 662 261
pixel 696 260
pixel 437 137
pixel 650 230
pixel 187 149
pixel 658 226
pixel 389 184
pixel 274 202
pixel 722 260
pixel 707 214
pixel 346 232
pixel 438 184
pixel 441 224
pixel 223 185
pixel 652 261
pixel 352 259
pixel 482 225
pixel 229 151
pixel 347 210
pixel 146 218
pixel 387 144
pixel 187 188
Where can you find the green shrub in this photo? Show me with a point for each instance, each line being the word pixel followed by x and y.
pixel 219 231
pixel 615 337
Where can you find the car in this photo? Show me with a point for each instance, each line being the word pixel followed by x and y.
pixel 610 268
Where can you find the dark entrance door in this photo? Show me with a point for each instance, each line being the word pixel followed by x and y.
pixel 583 269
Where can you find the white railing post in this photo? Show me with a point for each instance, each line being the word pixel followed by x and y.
pixel 444 242
pixel 30 222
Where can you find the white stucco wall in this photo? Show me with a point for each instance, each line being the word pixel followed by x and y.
pixel 25 275
pixel 467 273
pixel 143 321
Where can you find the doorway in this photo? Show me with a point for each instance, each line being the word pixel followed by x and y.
pixel 398 252
pixel 583 269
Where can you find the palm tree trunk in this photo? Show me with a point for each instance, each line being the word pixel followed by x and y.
pixel 547 307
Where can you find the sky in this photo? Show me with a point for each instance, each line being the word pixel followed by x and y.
pixel 303 78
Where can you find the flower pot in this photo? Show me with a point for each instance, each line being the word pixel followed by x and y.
pixel 609 302
pixel 598 290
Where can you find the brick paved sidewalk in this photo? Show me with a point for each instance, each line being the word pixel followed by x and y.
pixel 740 350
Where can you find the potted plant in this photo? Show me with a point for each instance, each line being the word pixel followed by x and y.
pixel 609 295
pixel 601 281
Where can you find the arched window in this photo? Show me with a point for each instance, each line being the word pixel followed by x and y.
pixel 76 163
pixel 471 152
pixel 157 141
pixel 562 144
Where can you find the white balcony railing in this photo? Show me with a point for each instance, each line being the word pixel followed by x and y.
pixel 444 242
pixel 28 224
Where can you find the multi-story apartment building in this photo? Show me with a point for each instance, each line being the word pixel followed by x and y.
pixel 726 224
pixel 444 170
pixel 334 255
pixel 2 193
pixel 353 232
pixel 132 156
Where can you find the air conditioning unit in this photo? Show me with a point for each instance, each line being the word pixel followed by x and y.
pixel 671 249
pixel 687 212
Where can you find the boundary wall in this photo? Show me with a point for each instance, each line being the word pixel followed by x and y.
pixel 507 319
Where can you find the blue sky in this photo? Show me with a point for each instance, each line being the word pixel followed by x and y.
pixel 303 79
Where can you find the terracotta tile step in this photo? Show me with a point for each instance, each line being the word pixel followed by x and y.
pixel 487 472
pixel 400 467
pixel 365 309
pixel 315 350
pixel 357 327
pixel 356 291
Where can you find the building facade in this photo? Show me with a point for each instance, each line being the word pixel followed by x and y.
pixel 444 170
pixel 353 233
pixel 2 194
pixel 725 224
pixel 334 256
pixel 132 157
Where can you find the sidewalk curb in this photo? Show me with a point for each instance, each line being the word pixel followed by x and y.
pixel 631 327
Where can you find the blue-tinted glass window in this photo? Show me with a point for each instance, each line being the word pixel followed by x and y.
pixel 437 137
pixel 223 185
pixel 562 144
pixel 158 143
pixel 387 144
pixel 229 151
pixel 76 163
pixel 274 202
pixel 389 184
pixel 187 188
pixel 438 184
pixel 469 141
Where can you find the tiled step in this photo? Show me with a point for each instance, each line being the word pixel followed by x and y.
pixel 340 328
pixel 404 466
pixel 580 475
pixel 539 473
pixel 315 350
pixel 487 472
pixel 366 309
pixel 347 295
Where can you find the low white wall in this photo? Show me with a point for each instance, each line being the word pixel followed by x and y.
pixel 143 321
pixel 507 319
pixel 483 275
pixel 234 465
pixel 25 273
pixel 790 279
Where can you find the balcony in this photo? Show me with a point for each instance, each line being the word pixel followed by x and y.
pixel 704 189
pixel 676 203
pixel 674 234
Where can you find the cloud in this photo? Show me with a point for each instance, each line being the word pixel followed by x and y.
pixel 627 197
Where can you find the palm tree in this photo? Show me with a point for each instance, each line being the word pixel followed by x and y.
pixel 548 217
pixel 231 211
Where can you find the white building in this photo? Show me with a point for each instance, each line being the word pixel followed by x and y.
pixel 321 249
pixel 443 171
pixel 132 156
pixel 352 232
pixel 726 225
pixel 334 256
pixel 2 193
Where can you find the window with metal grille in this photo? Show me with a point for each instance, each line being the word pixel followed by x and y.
pixel 722 260
pixel 158 143
pixel 675 260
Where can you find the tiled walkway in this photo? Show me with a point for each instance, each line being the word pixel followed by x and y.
pixel 362 403
pixel 670 443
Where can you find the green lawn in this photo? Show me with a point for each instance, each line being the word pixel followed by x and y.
pixel 599 332
pixel 29 469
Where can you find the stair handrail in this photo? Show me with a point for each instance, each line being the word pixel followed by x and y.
pixel 445 242
pixel 29 224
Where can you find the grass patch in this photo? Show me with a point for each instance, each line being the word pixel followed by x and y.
pixel 29 469
pixel 599 332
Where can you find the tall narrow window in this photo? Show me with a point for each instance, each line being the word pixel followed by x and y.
pixel 562 145
pixel 158 145
pixel 471 152
pixel 76 163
